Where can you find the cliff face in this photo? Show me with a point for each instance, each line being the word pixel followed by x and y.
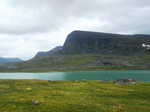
pixel 82 42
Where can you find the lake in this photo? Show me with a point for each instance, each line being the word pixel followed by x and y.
pixel 140 75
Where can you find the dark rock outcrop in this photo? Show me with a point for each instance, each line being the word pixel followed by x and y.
pixel 82 42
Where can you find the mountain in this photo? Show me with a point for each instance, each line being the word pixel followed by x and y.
pixel 9 60
pixel 84 50
pixel 83 42
pixel 50 52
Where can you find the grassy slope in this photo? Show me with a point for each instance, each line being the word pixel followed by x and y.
pixel 75 96
pixel 83 62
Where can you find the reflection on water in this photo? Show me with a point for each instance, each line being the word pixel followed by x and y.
pixel 141 75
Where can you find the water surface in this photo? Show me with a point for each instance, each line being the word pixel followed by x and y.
pixel 140 75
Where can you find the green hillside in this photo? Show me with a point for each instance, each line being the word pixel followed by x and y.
pixel 81 62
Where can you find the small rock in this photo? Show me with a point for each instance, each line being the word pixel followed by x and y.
pixel 125 81
pixel 104 81
pixel 35 102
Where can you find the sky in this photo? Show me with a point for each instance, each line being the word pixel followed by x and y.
pixel 29 26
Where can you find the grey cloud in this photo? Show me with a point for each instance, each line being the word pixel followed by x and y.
pixel 43 24
pixel 32 16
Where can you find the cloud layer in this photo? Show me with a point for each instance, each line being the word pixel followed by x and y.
pixel 29 26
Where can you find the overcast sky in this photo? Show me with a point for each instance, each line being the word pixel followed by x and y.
pixel 29 26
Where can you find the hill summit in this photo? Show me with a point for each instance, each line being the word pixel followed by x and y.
pixel 83 42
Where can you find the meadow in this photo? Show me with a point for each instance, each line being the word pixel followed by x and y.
pixel 73 96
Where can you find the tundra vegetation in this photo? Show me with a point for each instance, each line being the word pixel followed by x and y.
pixel 73 96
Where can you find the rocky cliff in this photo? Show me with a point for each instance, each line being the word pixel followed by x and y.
pixel 83 42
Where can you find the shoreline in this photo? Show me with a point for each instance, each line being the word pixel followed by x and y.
pixel 71 70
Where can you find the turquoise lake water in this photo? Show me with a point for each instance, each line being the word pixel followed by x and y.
pixel 140 75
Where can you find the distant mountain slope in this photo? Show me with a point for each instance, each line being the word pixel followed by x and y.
pixel 52 51
pixel 82 42
pixel 9 60
pixel 84 50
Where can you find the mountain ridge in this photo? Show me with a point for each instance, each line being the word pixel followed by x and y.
pixel 52 51
pixel 9 60
pixel 84 50
pixel 81 42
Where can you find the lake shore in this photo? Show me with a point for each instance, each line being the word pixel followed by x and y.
pixel 74 69
pixel 74 96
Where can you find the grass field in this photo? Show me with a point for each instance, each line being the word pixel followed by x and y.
pixel 73 96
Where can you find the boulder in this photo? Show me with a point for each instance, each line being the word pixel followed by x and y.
pixel 125 81
pixel 35 102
